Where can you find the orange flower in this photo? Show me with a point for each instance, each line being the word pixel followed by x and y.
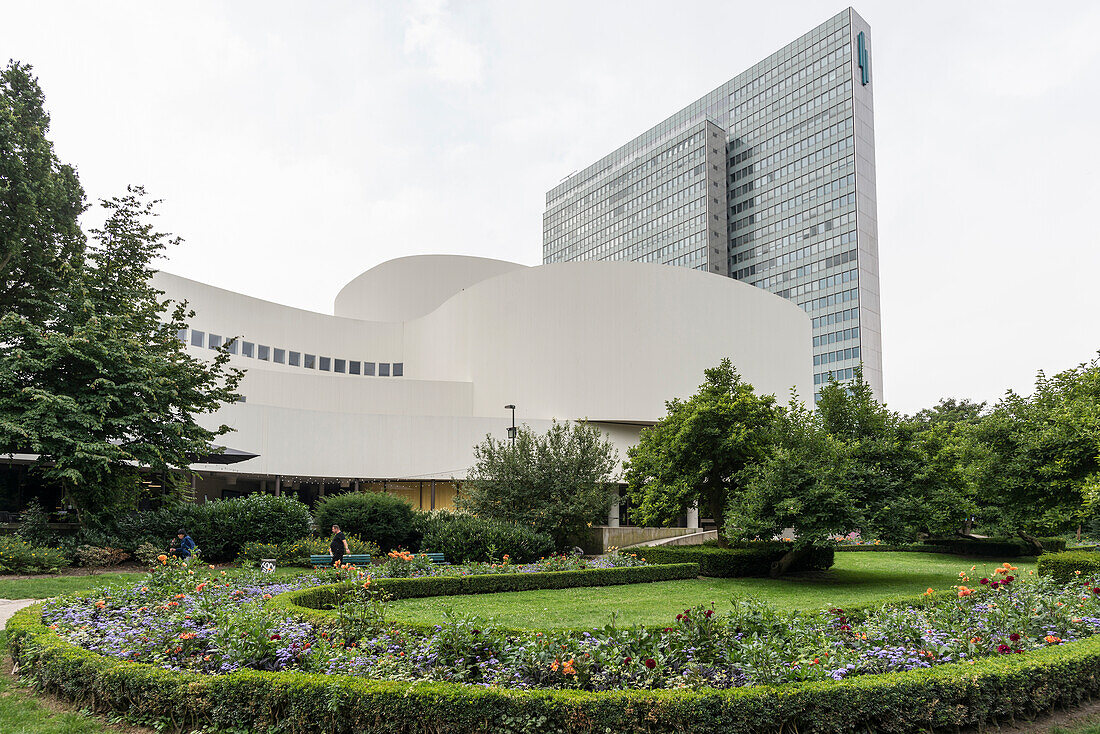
pixel 1052 640
pixel 929 592
pixel 162 558
pixel 963 591
pixel 568 669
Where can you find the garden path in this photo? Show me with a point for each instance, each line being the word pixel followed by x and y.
pixel 9 607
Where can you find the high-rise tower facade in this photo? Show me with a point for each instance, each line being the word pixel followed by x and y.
pixel 769 179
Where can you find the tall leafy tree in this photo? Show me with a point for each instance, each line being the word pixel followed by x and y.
pixel 105 386
pixel 41 243
pixel 1036 458
pixel 693 455
pixel 559 482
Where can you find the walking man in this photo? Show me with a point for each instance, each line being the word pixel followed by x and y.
pixel 339 545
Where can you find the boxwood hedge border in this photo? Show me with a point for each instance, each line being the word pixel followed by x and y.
pixel 945 697
pixel 311 603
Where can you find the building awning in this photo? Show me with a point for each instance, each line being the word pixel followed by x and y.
pixel 224 455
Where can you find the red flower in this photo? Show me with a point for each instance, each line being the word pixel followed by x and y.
pixel 1010 578
pixel 679 617
pixel 708 612
pixel 1014 637
pixel 275 637
pixel 1004 649
pixel 983 582
pixel 650 663
pixel 627 661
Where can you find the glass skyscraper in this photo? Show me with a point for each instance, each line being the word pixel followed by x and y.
pixel 769 179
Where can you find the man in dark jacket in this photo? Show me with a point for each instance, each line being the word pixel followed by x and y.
pixel 186 547
pixel 338 546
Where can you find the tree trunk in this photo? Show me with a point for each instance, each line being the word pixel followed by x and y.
pixel 1031 540
pixel 780 567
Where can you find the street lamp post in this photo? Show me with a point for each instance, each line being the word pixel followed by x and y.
pixel 512 430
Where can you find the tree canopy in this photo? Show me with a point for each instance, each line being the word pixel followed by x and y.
pixel 560 482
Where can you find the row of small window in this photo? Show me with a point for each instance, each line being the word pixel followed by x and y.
pixel 794 220
pixel 293 359
pixel 768 116
pixel 808 269
pixel 838 317
pixel 798 201
pixel 788 257
pixel 625 245
pixel 761 195
pixel 813 141
pixel 838 356
pixel 836 70
pixel 823 378
pixel 811 159
pixel 663 223
pixel 837 336
pixel 832 300
pixel 841 222
pixel 794 62
pixel 818 285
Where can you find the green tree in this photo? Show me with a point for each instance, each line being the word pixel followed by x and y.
pixel 41 242
pixel 559 482
pixel 106 385
pixel 693 456
pixel 1035 459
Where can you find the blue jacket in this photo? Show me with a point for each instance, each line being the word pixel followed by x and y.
pixel 186 546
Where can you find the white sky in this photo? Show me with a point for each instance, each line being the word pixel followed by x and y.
pixel 299 144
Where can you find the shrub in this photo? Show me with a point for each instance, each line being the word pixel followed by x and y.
pixel 19 556
pixel 93 556
pixel 219 527
pixel 147 553
pixel 381 518
pixel 751 559
pixel 995 547
pixel 1064 566
pixel 946 697
pixel 464 538
pixel 35 528
pixel 297 553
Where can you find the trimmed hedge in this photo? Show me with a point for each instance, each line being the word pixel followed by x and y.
pixel 1063 566
pixel 310 603
pixel 944 697
pixel 995 547
pixel 463 538
pixel 748 560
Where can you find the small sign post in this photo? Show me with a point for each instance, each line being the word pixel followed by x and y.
pixel 267 565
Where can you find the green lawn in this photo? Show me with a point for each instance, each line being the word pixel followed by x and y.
pixel 856 578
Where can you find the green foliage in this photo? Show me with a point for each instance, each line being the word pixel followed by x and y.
pixel 35 528
pixel 558 483
pixel 463 538
pixel 19 556
pixel 959 546
pixel 147 553
pixel 694 455
pixel 381 518
pixel 1036 459
pixel 1069 565
pixel 105 385
pixel 41 243
pixel 751 559
pixel 946 696
pixel 297 552
pixel 219 527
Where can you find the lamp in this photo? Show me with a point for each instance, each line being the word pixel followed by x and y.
pixel 512 430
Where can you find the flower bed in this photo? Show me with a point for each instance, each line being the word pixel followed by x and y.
pixel 210 650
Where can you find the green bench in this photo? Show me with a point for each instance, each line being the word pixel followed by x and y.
pixel 436 558
pixel 350 559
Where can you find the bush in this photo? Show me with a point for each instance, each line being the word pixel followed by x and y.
pixel 995 547
pixel 464 538
pixel 147 553
pixel 947 697
pixel 220 527
pixel 93 556
pixel 297 553
pixel 750 559
pixel 381 518
pixel 35 528
pixel 1064 566
pixel 19 556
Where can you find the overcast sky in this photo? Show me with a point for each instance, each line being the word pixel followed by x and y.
pixel 296 145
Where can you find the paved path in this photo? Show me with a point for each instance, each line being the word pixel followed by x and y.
pixel 9 607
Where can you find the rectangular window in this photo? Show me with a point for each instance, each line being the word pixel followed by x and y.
pixel 326 363
pixel 263 352
pixel 353 367
pixel 338 365
pixel 215 341
pixel 398 369
pixel 280 356
pixel 231 346
pixel 383 369
pixel 295 359
pixel 197 338
pixel 248 349
pixel 182 335
pixel 368 369
pixel 311 362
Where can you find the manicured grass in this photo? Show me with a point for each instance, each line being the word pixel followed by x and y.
pixel 856 578
pixel 41 588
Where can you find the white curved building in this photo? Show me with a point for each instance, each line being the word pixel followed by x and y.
pixel 422 354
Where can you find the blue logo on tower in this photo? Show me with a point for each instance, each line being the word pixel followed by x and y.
pixel 864 60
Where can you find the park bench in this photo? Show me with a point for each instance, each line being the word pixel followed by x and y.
pixel 350 559
pixel 436 558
